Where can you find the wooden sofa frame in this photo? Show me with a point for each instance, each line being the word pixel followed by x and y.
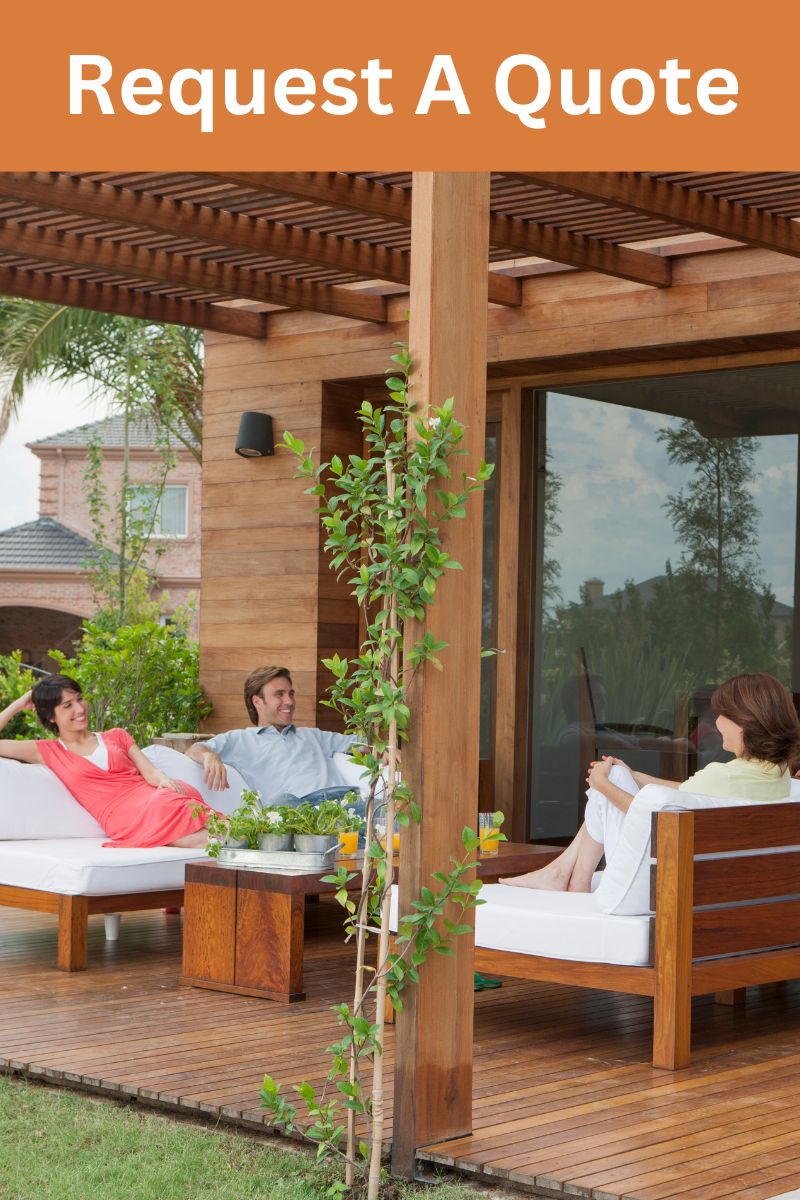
pixel 751 936
pixel 74 912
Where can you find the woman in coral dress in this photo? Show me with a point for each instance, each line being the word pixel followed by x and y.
pixel 134 802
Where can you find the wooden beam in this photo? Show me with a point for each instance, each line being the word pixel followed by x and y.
pixel 447 339
pixel 336 190
pixel 78 293
pixel 577 250
pixel 333 189
pixel 633 192
pixel 138 262
pixel 217 226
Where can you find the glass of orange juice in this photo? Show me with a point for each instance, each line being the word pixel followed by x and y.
pixel 348 844
pixel 381 832
pixel 489 834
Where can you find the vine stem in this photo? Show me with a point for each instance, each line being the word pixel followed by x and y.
pixel 378 1108
pixel 358 993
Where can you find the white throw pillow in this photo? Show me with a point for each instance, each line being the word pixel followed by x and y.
pixel 625 885
pixel 35 804
pixel 179 766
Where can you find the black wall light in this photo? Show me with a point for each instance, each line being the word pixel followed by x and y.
pixel 254 439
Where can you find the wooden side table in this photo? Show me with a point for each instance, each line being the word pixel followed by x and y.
pixel 243 930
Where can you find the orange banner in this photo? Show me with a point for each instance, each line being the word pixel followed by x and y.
pixel 356 86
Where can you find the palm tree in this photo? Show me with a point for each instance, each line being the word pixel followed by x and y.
pixel 149 369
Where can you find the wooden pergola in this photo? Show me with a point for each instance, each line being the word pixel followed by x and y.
pixel 231 253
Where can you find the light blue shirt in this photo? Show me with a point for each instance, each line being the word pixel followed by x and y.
pixel 272 760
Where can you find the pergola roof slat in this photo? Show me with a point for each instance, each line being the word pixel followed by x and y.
pixel 78 293
pixel 690 207
pixel 147 264
pixel 339 243
pixel 525 237
pixel 366 260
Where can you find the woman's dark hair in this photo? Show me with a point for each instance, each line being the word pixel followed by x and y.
pixel 46 696
pixel 763 708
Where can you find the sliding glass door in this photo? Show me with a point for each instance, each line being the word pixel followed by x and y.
pixel 667 565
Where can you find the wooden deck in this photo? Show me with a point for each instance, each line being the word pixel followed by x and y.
pixel 565 1100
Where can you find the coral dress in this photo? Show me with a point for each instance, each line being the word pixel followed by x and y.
pixel 131 811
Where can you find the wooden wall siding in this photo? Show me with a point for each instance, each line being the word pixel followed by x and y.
pixel 260 553
pixel 261 575
pixel 338 629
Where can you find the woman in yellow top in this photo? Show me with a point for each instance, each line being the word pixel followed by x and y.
pixel 758 725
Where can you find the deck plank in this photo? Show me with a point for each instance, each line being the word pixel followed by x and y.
pixel 565 1099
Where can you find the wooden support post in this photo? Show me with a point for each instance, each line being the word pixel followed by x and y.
pixel 672 1018
pixel 447 341
pixel 73 933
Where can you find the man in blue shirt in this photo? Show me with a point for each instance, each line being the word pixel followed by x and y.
pixel 273 756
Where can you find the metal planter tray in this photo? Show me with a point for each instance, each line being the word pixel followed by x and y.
pixel 288 862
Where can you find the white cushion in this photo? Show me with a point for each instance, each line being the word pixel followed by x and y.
pixel 35 804
pixel 566 925
pixel 84 867
pixel 352 774
pixel 179 766
pixel 625 885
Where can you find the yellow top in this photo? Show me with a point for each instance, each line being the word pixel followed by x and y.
pixel 742 778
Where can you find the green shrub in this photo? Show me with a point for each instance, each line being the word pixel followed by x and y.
pixel 15 680
pixel 143 677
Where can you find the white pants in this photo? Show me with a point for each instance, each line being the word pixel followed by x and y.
pixel 603 819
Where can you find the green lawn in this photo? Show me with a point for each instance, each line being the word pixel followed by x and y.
pixel 66 1146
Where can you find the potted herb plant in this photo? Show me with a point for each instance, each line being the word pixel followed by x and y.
pixel 316 828
pixel 239 829
pixel 274 834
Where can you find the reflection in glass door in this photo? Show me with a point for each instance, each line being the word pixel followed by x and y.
pixel 668 565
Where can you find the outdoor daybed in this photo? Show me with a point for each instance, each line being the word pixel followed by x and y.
pixel 52 857
pixel 711 906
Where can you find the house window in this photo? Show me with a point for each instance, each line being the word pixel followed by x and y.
pixel 170 519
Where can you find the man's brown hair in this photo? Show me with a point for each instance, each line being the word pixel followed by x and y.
pixel 761 705
pixel 255 682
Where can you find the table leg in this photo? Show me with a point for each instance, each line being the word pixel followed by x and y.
pixel 269 943
pixel 209 930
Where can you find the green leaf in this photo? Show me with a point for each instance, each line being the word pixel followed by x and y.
pixel 469 838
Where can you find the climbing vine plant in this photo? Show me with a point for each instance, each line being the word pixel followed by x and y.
pixel 383 514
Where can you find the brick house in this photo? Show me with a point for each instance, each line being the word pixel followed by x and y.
pixel 44 588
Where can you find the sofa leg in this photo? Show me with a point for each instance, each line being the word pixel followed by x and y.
pixel 735 997
pixel 73 933
pixel 672 1030
pixel 672 1015
pixel 111 921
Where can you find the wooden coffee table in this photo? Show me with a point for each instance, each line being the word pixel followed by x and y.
pixel 244 930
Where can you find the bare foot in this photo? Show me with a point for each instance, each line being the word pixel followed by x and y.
pixel 543 880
